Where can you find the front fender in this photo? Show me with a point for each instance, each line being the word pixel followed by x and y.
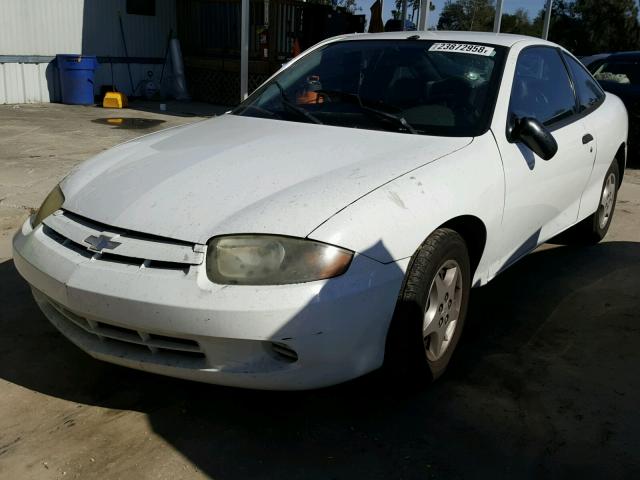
pixel 391 222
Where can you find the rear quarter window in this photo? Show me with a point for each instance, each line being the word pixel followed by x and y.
pixel 589 93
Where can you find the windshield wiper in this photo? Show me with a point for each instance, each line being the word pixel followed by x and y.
pixel 292 106
pixel 398 120
pixel 390 116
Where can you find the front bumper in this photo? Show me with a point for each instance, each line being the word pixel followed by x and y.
pixel 178 323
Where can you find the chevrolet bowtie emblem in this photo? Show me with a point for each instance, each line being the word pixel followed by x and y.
pixel 97 244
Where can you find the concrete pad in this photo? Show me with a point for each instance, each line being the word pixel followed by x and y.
pixel 544 384
pixel 41 143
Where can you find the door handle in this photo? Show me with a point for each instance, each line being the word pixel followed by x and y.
pixel 587 138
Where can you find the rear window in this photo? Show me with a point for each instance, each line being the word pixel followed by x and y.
pixel 407 86
pixel 589 92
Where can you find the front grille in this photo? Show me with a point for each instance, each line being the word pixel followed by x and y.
pixel 128 248
pixel 141 341
pixel 65 242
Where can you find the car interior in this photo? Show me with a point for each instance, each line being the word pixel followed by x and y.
pixel 426 87
pixel 541 87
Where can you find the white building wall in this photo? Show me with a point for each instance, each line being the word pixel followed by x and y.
pixel 40 27
pixel 34 31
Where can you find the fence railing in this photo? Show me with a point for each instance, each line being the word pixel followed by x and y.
pixel 212 27
pixel 209 32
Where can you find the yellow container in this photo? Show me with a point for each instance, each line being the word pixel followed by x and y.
pixel 115 100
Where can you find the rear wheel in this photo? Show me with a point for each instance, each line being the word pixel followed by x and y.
pixel 607 204
pixel 431 310
pixel 594 228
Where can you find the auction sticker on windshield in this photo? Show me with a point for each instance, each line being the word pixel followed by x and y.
pixel 463 48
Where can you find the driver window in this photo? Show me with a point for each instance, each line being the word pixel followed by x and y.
pixel 541 87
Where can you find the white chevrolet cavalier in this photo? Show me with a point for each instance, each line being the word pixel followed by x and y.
pixel 335 221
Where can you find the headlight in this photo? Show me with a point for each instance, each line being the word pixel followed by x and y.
pixel 52 203
pixel 273 260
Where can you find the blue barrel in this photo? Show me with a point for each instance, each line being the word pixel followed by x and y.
pixel 76 78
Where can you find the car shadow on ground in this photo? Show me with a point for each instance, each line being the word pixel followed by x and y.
pixel 633 161
pixel 544 383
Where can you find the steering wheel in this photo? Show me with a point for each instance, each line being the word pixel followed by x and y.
pixel 323 95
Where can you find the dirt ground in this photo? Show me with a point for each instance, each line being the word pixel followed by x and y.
pixel 546 381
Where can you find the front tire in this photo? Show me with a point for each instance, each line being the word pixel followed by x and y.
pixel 431 310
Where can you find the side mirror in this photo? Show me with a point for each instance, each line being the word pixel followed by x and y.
pixel 534 135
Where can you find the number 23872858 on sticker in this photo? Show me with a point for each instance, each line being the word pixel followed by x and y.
pixel 470 48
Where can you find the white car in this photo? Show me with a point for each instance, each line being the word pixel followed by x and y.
pixel 335 221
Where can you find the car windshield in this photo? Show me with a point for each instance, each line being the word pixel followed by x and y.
pixel 405 86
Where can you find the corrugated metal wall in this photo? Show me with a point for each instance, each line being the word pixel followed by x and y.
pixel 47 27
pixel 28 83
pixel 146 36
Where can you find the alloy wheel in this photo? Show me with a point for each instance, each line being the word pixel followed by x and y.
pixel 442 310
pixel 606 200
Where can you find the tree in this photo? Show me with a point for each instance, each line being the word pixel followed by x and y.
pixel 467 15
pixel 609 25
pixel 349 5
pixel 518 22
pixel 593 26
pixel 413 6
pixel 582 26
pixel 564 28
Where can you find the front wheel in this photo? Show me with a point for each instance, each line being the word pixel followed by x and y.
pixel 431 309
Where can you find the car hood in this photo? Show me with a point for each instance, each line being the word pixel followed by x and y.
pixel 236 174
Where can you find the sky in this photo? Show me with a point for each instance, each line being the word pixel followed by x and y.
pixel 509 6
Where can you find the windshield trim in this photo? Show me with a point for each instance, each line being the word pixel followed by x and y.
pixel 492 96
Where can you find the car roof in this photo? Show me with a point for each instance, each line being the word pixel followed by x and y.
pixel 593 58
pixel 625 56
pixel 503 39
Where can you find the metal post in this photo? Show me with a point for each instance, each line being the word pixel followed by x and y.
pixel 425 6
pixel 403 15
pixel 244 49
pixel 547 20
pixel 498 18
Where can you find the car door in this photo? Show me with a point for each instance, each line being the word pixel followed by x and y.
pixel 590 97
pixel 542 197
